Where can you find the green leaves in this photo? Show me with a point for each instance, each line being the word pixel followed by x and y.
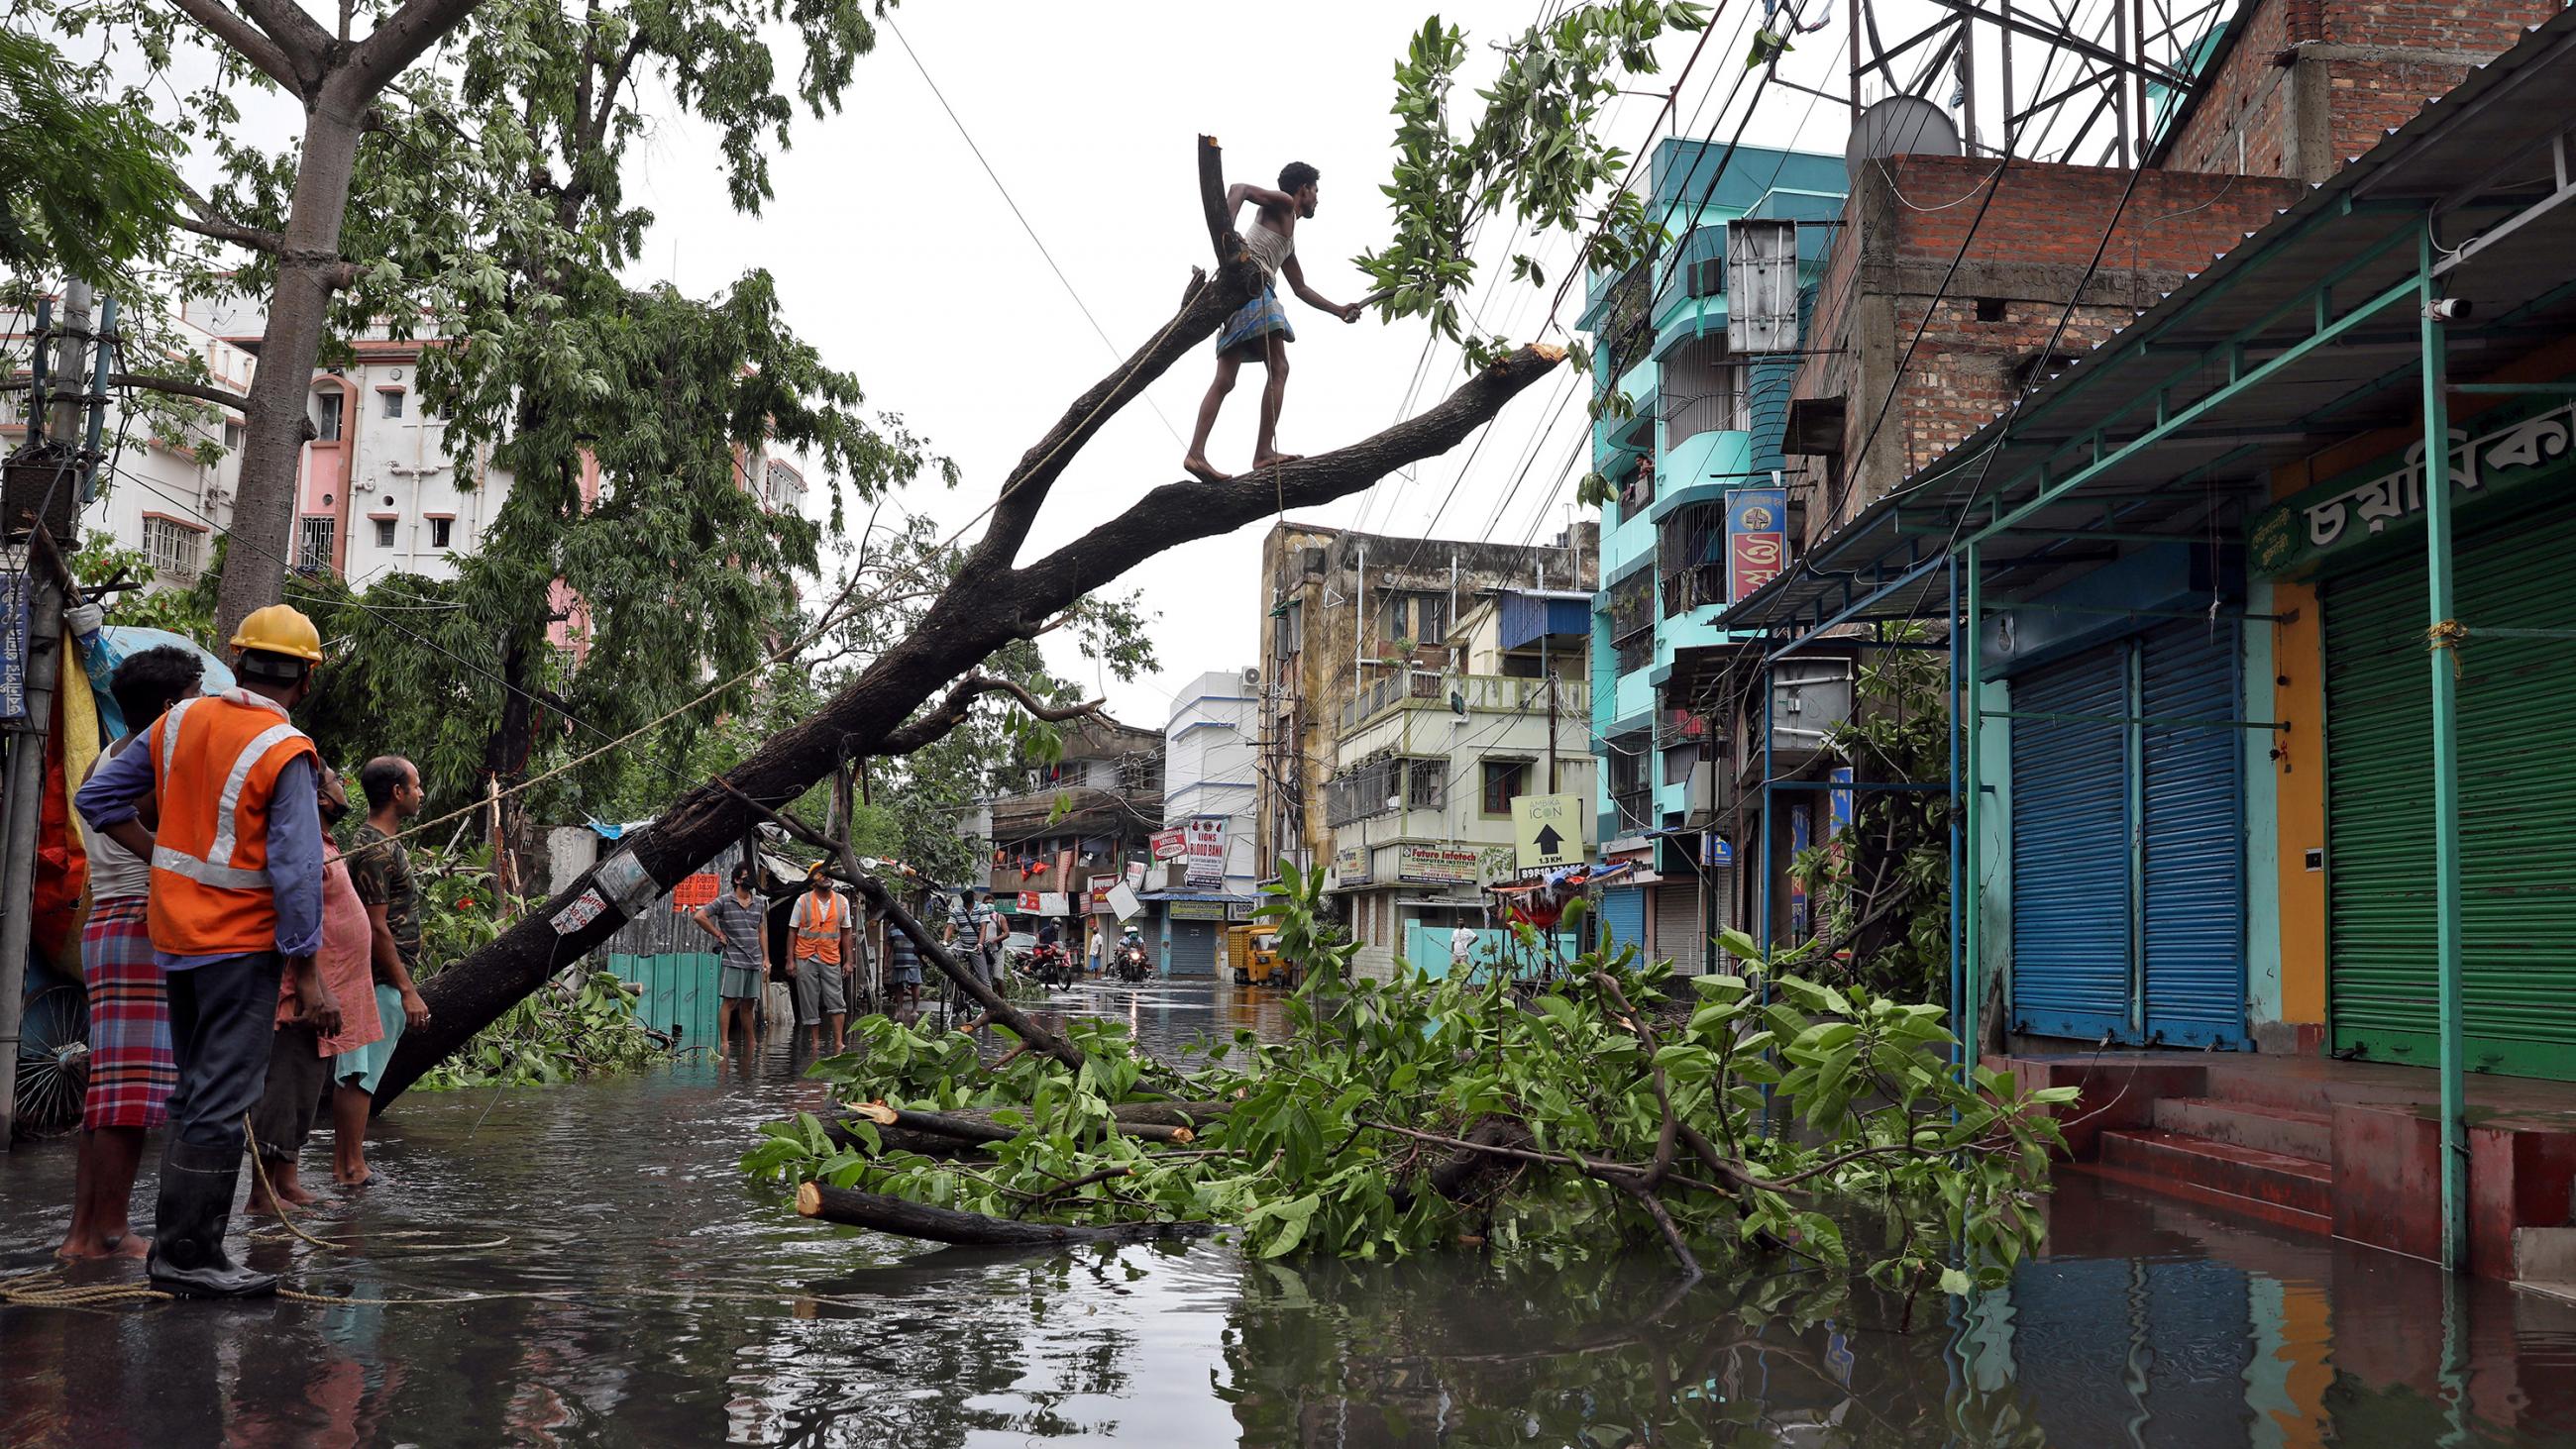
pixel 1402 1117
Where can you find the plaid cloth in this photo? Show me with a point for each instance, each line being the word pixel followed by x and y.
pixel 1255 320
pixel 131 1069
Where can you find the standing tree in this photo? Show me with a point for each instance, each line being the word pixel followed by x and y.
pixel 340 78
pixel 1534 153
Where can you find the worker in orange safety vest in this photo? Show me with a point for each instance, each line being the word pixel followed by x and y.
pixel 236 902
pixel 822 950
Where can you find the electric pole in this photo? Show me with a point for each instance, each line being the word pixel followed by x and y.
pixel 22 807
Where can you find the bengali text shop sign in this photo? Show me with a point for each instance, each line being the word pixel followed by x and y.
pixel 1757 539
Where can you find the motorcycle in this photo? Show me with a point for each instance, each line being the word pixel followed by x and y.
pixel 1130 964
pixel 1051 966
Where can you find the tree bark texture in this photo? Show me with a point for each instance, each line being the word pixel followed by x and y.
pixel 940 1134
pixel 991 603
pixel 971 1230
pixel 339 83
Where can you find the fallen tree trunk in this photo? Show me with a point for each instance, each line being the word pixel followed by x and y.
pixel 949 1134
pixel 855 1209
pixel 991 602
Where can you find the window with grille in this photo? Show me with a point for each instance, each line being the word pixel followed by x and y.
pixel 326 416
pixel 384 533
pixel 173 547
pixel 391 400
pixel 1504 779
pixel 1426 785
pixel 442 532
pixel 313 542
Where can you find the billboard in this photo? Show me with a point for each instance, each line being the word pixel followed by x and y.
pixel 1757 539
pixel 1204 848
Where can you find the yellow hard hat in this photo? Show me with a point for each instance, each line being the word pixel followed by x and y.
pixel 280 629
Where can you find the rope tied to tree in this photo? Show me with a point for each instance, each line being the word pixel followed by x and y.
pixel 2449 634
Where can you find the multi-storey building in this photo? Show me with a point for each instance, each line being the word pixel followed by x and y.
pixel 1694 412
pixel 1343 611
pixel 1430 758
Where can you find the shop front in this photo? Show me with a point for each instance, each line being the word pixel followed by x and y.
pixel 2128 803
pixel 2358 539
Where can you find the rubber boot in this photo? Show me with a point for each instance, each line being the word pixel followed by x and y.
pixel 195 1206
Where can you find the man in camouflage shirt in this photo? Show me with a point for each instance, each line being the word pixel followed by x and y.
pixel 380 867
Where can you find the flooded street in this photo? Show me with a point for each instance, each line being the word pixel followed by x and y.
pixel 647 1295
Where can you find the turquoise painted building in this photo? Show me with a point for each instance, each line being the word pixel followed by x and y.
pixel 1683 421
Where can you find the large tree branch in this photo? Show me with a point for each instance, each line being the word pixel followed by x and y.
pixel 208 223
pixel 391 47
pixel 180 387
pixel 1204 307
pixel 985 609
pixel 1178 512
pixel 299 34
pixel 952 712
pixel 246 40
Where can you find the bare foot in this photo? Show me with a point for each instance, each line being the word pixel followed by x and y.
pixel 1273 460
pixel 1201 469
pixel 365 1176
pixel 132 1245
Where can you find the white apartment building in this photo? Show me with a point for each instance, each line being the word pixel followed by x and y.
pixel 377 493
pixel 154 492
pixel 1210 747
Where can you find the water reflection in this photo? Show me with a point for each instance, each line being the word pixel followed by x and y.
pixel 661 1302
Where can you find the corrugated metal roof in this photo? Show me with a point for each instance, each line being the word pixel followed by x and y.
pixel 2467 160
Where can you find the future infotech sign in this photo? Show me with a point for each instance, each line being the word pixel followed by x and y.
pixel 1757 539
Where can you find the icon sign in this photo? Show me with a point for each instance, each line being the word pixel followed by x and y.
pixel 1547 832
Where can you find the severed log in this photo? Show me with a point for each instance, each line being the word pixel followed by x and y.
pixel 1135 1119
pixel 855 1209
pixel 984 1129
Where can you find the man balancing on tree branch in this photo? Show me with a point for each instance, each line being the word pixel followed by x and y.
pixel 1259 328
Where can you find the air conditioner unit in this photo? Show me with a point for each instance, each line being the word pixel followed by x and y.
pixel 1251 678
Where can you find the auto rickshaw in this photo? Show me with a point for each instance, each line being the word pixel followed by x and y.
pixel 1254 951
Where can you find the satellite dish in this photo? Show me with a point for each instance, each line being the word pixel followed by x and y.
pixel 1900 126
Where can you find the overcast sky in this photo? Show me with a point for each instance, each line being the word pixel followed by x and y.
pixel 897 254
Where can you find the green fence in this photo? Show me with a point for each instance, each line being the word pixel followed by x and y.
pixel 679 993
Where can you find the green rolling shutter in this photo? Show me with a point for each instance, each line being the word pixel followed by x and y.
pixel 2517 718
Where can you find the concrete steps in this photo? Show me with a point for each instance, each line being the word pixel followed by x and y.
pixel 2289 1131
pixel 2277 1187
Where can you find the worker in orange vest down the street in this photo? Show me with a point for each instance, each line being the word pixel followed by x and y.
pixel 236 902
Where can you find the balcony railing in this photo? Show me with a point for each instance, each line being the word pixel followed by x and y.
pixel 1486 693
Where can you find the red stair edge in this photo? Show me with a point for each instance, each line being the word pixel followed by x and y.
pixel 2260 1109
pixel 2276 1214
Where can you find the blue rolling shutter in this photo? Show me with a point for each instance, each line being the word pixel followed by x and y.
pixel 2070 849
pixel 2195 855
pixel 1623 915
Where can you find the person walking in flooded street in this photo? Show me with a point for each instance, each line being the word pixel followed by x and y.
pixel 737 923
pixel 380 871
pixel 236 902
pixel 822 939
pixel 301 1061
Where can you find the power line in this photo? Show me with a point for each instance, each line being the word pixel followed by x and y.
pixel 1014 205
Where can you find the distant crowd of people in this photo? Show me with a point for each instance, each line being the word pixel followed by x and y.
pixel 247 973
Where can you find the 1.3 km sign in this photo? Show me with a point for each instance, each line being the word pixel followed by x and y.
pixel 1547 832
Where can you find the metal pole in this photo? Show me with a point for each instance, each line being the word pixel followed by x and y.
pixel 97 434
pixel 22 799
pixel 1972 908
pixel 2446 765
pixel 23 807
pixel 1958 713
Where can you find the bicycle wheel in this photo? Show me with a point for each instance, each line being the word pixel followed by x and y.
pixel 53 1061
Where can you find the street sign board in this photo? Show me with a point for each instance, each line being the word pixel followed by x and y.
pixel 1547 831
